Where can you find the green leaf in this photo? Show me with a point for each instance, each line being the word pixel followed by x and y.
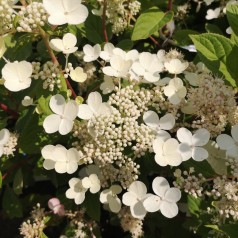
pixel 194 205
pixel 44 105
pixel 150 22
pixel 213 50
pixel 211 28
pixel 230 229
pixel 232 16
pixel 94 29
pixel 18 182
pixel 182 37
pixel 125 44
pixel 0 179
pixel 43 235
pixel 11 204
pixel 93 206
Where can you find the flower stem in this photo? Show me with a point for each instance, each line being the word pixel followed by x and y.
pixel 54 59
pixel 104 20
pixel 170 4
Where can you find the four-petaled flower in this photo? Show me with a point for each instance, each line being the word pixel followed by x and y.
pixel 191 144
pixel 17 75
pixel 109 196
pixel 63 119
pixel 134 198
pixel 76 191
pixel 65 11
pixel 175 91
pixel 66 45
pixel 91 53
pixel 94 107
pixel 164 200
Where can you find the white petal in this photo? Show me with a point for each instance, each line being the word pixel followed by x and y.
pixel 116 189
pixel 84 112
pixel 70 193
pixel 57 45
pixel 184 135
pixel 114 203
pixel 169 209
pixel 152 203
pixel 71 110
pixel 172 195
pixel 129 198
pixel 103 196
pixel 65 126
pixel 138 188
pixel 57 19
pixel 234 132
pixel 74 181
pixel 170 146
pixel 167 122
pixel 60 167
pixel 151 119
pixel 199 154
pixel 138 210
pixel 158 146
pixel 185 150
pixel 160 186
pixel 49 164
pixel 79 198
pixel 108 70
pixel 57 104
pixel 86 182
pixel 201 137
pixel 163 135
pixel 161 160
pixel 78 16
pixel 94 101
pixel 104 109
pixel 69 40
pixel 95 188
pixel 4 136
pixel 46 151
pixel 71 166
pixel 225 142
pixel 51 123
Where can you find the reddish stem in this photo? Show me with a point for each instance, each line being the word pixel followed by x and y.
pixel 170 4
pixel 8 110
pixel 70 87
pixel 15 167
pixel 104 20
pixel 155 41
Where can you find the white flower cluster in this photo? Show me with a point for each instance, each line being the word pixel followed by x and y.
pixel 32 16
pixel 119 13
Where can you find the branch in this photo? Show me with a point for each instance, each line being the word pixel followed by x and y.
pixel 104 20
pixel 170 4
pixel 155 41
pixel 8 110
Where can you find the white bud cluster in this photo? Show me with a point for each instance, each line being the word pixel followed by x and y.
pixel 34 226
pixel 225 192
pixel 131 224
pixel 31 17
pixel 119 13
pixel 213 102
pixel 7 16
pixel 189 182
pixel 35 70
pixel 232 163
pixel 10 147
pixel 50 74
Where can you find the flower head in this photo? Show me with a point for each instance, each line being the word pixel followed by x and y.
pixel 17 75
pixel 175 66
pixel 94 107
pixel 66 45
pixel 64 116
pixel 164 200
pixel 175 91
pixel 191 144
pixel 109 196
pixel 55 205
pixel 65 11
pixel 78 75
pixel 137 193
pixel 91 53
pixel 76 190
